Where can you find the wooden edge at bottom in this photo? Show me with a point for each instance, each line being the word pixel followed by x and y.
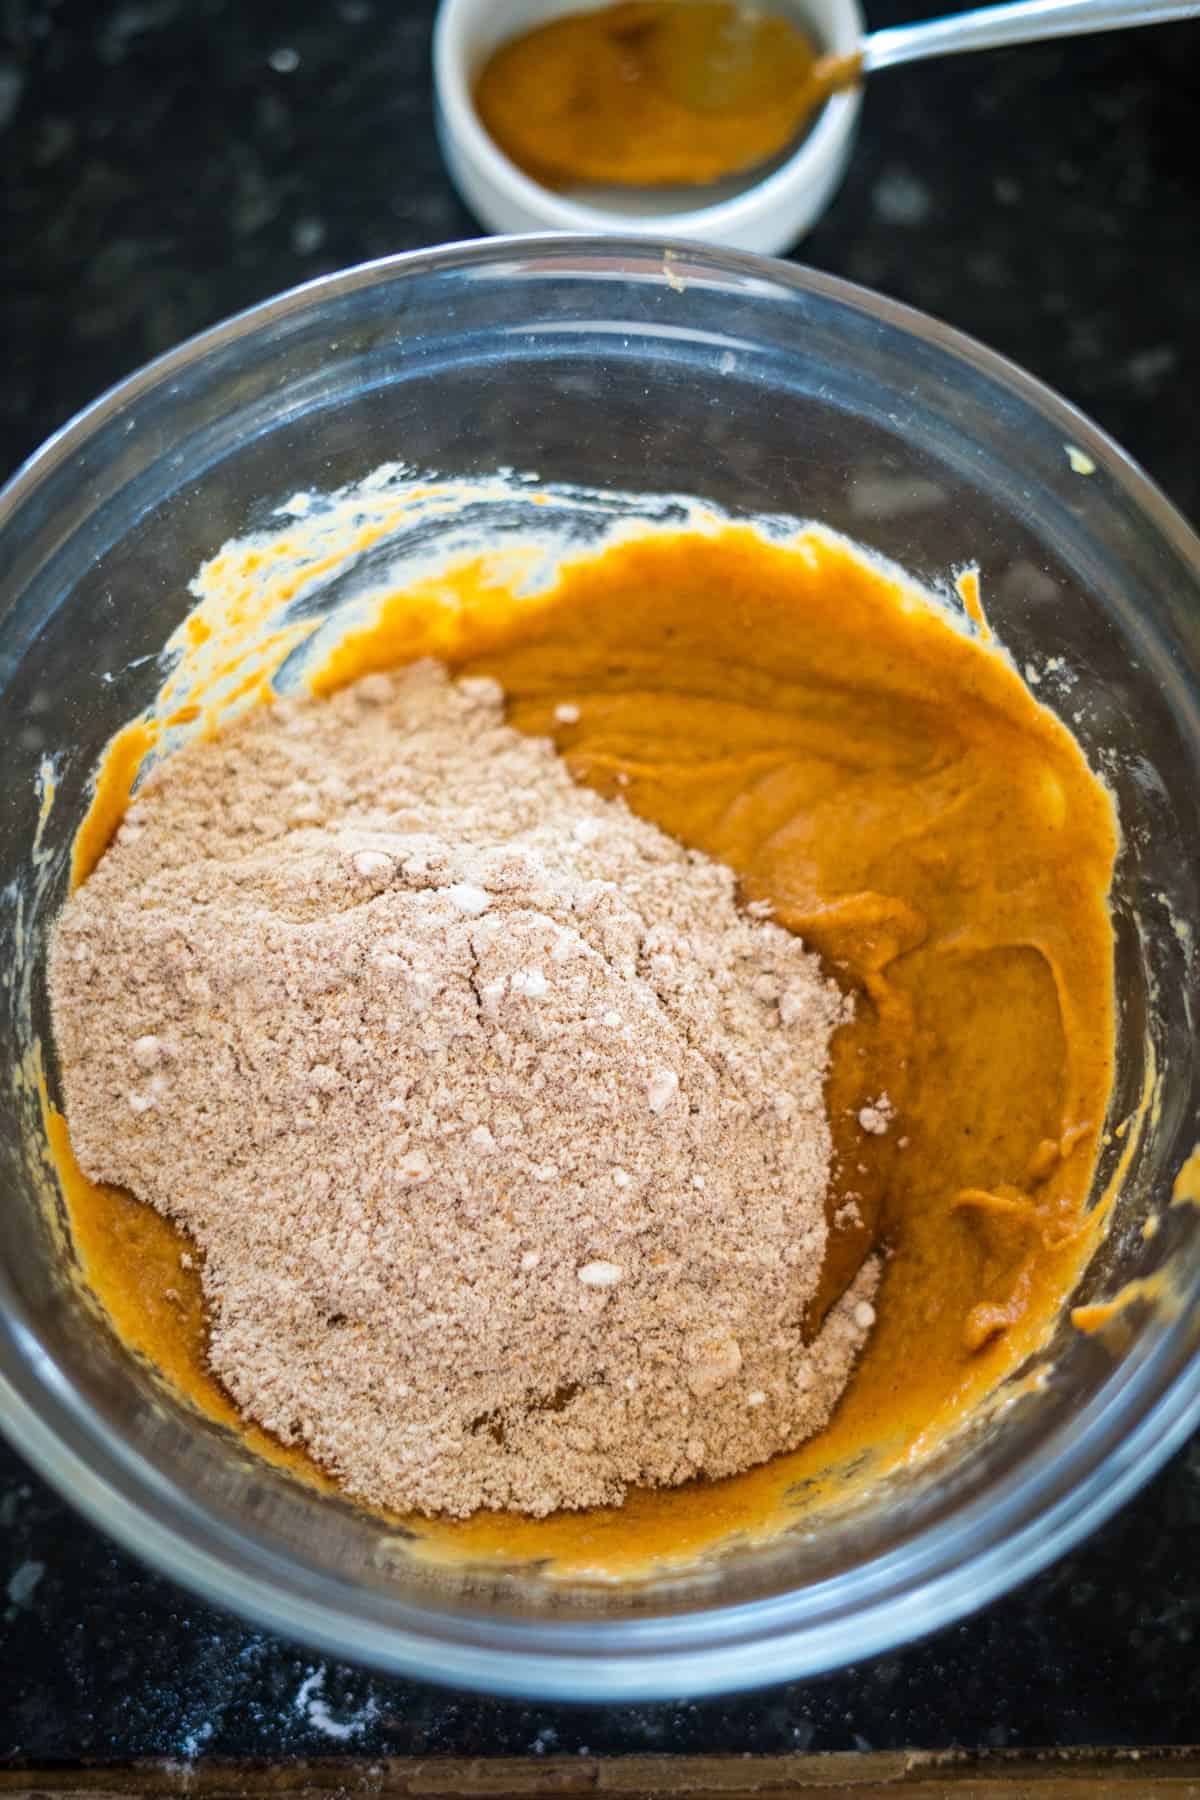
pixel 885 1775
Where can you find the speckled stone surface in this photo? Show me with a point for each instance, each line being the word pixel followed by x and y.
pixel 166 162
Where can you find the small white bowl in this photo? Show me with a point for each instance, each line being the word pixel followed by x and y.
pixel 767 215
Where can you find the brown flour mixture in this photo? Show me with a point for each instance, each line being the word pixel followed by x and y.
pixel 500 1127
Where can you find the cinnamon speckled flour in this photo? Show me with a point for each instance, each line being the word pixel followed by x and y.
pixel 499 1126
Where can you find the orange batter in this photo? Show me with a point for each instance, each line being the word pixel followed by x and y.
pixel 891 786
pixel 654 92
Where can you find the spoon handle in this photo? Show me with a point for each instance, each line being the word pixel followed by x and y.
pixel 1020 22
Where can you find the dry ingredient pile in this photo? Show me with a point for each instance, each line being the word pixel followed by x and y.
pixel 498 1125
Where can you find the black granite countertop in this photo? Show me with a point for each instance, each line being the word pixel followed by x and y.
pixel 167 162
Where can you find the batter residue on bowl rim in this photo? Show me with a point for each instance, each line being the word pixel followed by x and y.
pixel 878 774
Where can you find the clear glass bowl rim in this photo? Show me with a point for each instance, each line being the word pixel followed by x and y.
pixel 1080 1475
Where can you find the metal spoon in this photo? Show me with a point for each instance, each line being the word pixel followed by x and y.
pixel 1020 22
pixel 653 93
pixel 985 28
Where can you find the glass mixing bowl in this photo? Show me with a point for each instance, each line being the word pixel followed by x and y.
pixel 767 389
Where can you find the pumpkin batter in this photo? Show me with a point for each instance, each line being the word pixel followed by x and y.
pixel 891 787
pixel 649 93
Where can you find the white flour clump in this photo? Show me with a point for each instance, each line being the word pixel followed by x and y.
pixel 499 1126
